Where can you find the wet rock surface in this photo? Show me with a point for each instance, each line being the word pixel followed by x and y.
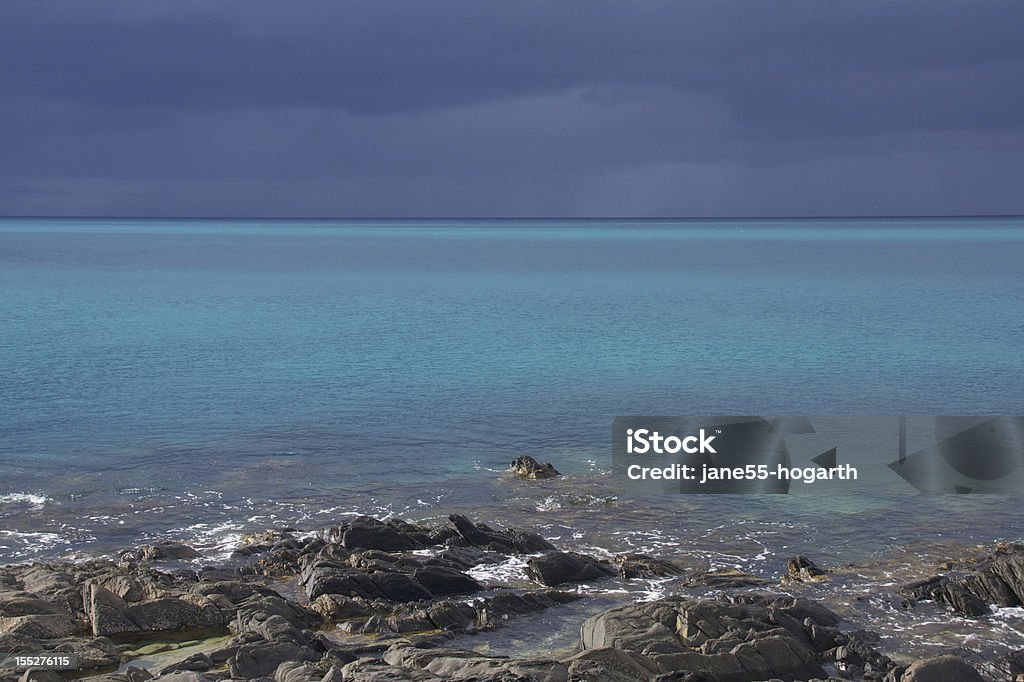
pixel 528 468
pixel 800 569
pixel 559 568
pixel 941 669
pixel 997 579
pixel 369 600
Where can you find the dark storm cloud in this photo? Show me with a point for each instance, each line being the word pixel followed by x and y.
pixel 558 108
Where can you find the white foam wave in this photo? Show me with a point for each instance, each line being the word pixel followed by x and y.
pixel 512 570
pixel 20 545
pixel 35 500
pixel 217 541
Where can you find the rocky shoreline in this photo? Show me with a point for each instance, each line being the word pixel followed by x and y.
pixel 368 600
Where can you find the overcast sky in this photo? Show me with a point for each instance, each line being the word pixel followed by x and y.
pixel 434 108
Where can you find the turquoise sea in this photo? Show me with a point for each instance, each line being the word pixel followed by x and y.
pixel 196 380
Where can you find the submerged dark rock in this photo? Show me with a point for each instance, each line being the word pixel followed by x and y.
pixel 726 577
pixel 641 566
pixel 529 468
pixel 802 570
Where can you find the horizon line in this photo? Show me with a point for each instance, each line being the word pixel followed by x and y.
pixel 905 216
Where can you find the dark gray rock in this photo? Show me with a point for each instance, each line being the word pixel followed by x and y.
pixel 129 674
pixel 53 585
pixel 294 671
pixel 801 609
pixel 950 593
pixel 559 568
pixel 47 626
pixel 184 676
pixel 611 665
pixel 261 659
pixel 687 676
pixel 447 615
pixel 941 669
pixel 803 570
pixel 164 615
pixel 161 551
pixel 493 610
pixel 199 663
pixel 224 653
pixel 469 531
pixel 633 627
pixel 1008 667
pixel 735 639
pixel 235 591
pixel 277 629
pixel 106 612
pixel 777 656
pixel 110 615
pixel 337 608
pixel 37 675
pixel 365 532
pixel 259 608
pixel 508 541
pixel 126 587
pixel 372 670
pixel 15 603
pixel 726 578
pixel 445 581
pixel 528 468
pixel 369 560
pixel 99 652
pixel 463 558
pixel 641 566
pixel 218 574
pixel 398 587
pixel 331 578
pixel 470 665
pixel 998 579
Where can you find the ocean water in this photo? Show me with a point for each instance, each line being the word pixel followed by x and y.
pixel 276 361
pixel 198 379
